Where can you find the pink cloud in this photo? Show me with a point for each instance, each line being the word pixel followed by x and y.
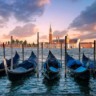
pixel 44 37
pixel 27 30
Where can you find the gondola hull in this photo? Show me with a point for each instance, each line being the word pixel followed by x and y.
pixel 15 61
pixel 77 70
pixel 82 75
pixel 51 68
pixel 15 76
pixel 23 70
pixel 2 72
pixel 51 75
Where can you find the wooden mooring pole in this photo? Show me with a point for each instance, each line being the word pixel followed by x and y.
pixel 38 54
pixel 22 52
pixel 4 59
pixel 94 55
pixel 11 52
pixel 79 50
pixel 65 54
pixel 61 52
pixel 3 50
pixel 42 52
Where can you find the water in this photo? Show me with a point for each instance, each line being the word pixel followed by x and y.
pixel 33 86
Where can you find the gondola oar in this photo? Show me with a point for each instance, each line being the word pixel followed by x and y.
pixel 5 65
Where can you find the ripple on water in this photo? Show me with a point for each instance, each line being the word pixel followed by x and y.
pixel 37 86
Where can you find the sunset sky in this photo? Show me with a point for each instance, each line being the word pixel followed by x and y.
pixel 23 18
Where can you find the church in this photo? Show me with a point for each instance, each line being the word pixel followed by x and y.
pixel 56 43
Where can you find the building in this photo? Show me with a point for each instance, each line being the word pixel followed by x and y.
pixel 72 43
pixel 86 44
pixel 50 35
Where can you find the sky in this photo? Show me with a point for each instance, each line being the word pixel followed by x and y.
pixel 22 19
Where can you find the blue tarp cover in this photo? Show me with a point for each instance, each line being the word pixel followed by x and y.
pixel 72 62
pixel 80 69
pixel 53 69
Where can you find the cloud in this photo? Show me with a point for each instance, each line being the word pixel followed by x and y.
pixel 3 21
pixel 59 33
pixel 91 35
pixel 44 37
pixel 27 30
pixel 86 23
pixel 22 10
pixel 85 18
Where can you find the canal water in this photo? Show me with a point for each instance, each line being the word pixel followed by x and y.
pixel 33 86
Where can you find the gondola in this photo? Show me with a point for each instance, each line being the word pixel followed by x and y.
pixel 77 69
pixel 87 62
pixel 51 67
pixel 15 61
pixel 24 69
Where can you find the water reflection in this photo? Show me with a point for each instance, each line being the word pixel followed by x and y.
pixel 84 87
pixel 31 85
pixel 51 85
pixel 15 86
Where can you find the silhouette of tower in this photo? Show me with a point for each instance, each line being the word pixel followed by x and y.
pixel 50 35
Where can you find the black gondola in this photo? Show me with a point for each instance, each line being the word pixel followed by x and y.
pixel 87 62
pixel 77 69
pixel 15 61
pixel 51 67
pixel 24 69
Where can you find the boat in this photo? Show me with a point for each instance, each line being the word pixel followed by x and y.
pixel 77 69
pixel 15 62
pixel 87 62
pixel 51 67
pixel 23 69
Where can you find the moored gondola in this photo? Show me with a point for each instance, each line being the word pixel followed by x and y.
pixel 24 69
pixel 77 69
pixel 51 67
pixel 87 62
pixel 15 61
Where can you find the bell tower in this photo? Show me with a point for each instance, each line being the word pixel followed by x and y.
pixel 50 35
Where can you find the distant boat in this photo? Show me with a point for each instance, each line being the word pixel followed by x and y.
pixel 77 69
pixel 15 61
pixel 24 69
pixel 51 67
